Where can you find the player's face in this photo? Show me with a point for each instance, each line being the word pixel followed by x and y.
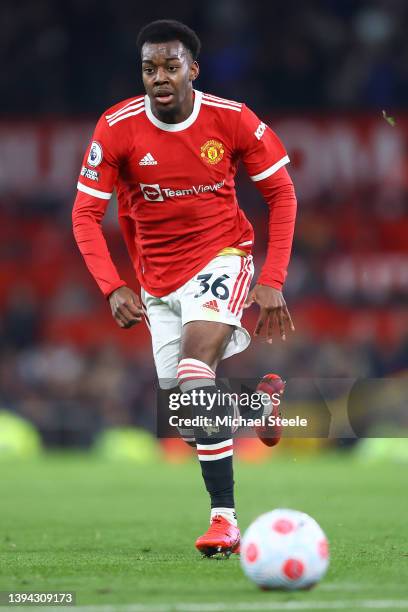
pixel 168 72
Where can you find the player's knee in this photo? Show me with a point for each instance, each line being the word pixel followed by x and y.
pixel 199 348
pixel 205 341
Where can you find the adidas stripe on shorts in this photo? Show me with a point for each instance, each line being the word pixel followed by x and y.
pixel 216 293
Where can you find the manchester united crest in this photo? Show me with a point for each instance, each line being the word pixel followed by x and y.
pixel 212 151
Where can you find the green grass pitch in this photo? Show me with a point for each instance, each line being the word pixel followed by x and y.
pixel 121 534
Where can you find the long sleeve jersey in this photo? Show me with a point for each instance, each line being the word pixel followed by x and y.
pixel 175 187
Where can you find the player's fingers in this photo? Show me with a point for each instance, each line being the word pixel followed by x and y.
pixel 271 323
pixel 126 324
pixel 281 322
pixel 289 318
pixel 134 308
pixel 261 321
pixel 122 316
pixel 119 319
pixel 131 324
pixel 130 314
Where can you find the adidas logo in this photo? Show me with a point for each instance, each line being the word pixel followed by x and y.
pixel 148 160
pixel 212 305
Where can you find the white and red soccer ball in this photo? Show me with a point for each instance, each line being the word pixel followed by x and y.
pixel 284 549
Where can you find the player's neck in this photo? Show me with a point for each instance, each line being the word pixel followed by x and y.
pixel 176 115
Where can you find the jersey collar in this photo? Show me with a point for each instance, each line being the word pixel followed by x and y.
pixel 175 127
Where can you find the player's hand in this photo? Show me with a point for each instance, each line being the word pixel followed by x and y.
pixel 126 307
pixel 274 311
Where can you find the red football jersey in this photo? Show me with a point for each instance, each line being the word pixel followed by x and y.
pixel 175 188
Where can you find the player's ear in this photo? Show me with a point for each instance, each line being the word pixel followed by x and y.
pixel 194 71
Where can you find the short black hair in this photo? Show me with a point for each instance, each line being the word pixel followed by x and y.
pixel 164 30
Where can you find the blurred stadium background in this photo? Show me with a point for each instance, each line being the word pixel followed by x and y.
pixel 321 73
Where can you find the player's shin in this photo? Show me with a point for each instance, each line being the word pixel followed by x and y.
pixel 213 434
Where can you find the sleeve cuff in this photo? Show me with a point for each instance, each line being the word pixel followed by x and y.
pixel 269 282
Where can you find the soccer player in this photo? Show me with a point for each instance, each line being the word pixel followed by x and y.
pixel 172 155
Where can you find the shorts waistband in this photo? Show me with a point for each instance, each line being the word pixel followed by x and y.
pixel 232 251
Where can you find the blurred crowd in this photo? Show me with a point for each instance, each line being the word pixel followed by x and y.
pixel 80 56
pixel 64 364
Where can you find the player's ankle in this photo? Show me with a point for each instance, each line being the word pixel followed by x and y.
pixel 228 513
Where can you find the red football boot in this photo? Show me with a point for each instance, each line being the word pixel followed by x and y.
pixel 270 384
pixel 221 537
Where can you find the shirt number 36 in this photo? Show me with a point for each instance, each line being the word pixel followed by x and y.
pixel 217 286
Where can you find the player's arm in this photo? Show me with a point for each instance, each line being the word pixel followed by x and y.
pixel 265 158
pixel 95 185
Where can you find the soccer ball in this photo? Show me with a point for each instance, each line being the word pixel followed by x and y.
pixel 284 549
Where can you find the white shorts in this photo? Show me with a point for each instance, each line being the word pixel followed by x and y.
pixel 216 293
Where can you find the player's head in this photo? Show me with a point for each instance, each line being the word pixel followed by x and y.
pixel 169 51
